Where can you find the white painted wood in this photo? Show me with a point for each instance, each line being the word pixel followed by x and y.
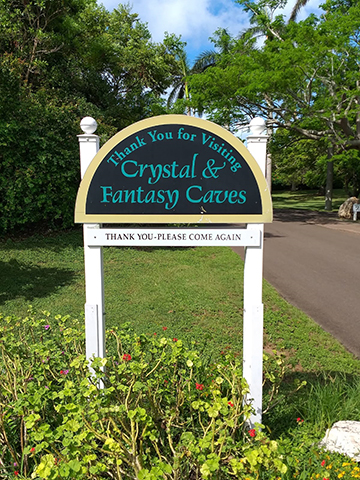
pixel 253 306
pixel 93 256
pixel 91 330
pixel 356 209
pixel 89 146
pixel 173 237
pixel 94 288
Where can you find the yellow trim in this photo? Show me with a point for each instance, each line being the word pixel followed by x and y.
pixel 82 217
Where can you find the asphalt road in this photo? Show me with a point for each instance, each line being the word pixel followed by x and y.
pixel 313 260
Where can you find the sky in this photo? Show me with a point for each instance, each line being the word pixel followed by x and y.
pixel 196 20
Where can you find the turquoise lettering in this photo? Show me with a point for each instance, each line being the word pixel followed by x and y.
pixel 233 196
pixel 192 200
pixel 215 196
pixel 127 174
pixel 242 197
pixel 152 135
pixel 106 194
pixel 111 159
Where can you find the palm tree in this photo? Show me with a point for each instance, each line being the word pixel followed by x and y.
pixel 261 21
pixel 223 44
pixel 180 88
pixel 206 59
pixel 298 5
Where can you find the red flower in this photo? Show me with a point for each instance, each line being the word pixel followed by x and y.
pixel 174 339
pixel 252 432
pixel 164 328
pixel 126 357
pixel 32 450
pixel 299 420
pixel 323 463
pixel 155 333
pixel 199 386
pixel 16 473
pixel 230 404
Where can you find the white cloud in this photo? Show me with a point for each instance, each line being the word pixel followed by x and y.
pixel 192 19
pixel 195 20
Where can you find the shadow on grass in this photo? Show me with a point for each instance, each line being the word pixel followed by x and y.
pixel 327 397
pixel 55 241
pixel 21 280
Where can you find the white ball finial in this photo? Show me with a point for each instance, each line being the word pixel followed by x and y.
pixel 257 126
pixel 88 125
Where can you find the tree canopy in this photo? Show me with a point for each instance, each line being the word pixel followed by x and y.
pixel 303 78
pixel 62 60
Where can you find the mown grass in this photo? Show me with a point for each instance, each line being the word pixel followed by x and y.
pixel 195 292
pixel 307 199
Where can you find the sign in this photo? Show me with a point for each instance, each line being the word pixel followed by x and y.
pixel 176 169
pixel 173 169
pixel 172 237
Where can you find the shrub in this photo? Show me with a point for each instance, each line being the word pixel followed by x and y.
pixel 150 410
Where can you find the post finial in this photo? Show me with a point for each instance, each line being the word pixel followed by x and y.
pixel 88 125
pixel 257 126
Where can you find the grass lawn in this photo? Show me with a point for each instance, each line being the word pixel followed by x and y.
pixel 306 199
pixel 195 292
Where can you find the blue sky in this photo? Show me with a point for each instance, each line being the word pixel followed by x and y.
pixel 195 20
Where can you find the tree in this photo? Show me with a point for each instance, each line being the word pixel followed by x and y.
pixel 180 86
pixel 60 61
pixel 223 43
pixel 307 82
pixel 263 18
pixel 296 8
pixel 297 161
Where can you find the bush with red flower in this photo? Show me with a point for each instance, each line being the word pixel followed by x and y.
pixel 150 410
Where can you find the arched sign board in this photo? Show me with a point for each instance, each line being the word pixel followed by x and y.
pixel 173 169
pixel 176 169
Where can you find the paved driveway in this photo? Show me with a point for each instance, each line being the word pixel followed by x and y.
pixel 313 260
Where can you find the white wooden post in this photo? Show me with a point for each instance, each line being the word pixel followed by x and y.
pixel 94 284
pixel 253 278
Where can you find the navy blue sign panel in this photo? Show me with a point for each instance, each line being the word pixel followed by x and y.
pixel 173 169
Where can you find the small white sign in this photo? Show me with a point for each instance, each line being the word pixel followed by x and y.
pixel 172 237
pixel 356 207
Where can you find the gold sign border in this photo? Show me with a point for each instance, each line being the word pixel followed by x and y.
pixel 80 211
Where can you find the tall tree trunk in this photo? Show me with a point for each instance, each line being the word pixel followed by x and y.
pixel 329 180
pixel 268 167
pixel 268 170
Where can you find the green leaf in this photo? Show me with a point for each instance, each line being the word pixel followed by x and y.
pixel 75 465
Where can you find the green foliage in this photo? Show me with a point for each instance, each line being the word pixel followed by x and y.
pixel 302 78
pixel 152 410
pixel 330 398
pixel 347 167
pixel 297 161
pixel 39 173
pixel 305 460
pixel 61 60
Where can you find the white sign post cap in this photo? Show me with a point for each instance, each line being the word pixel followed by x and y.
pixel 257 126
pixel 88 125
